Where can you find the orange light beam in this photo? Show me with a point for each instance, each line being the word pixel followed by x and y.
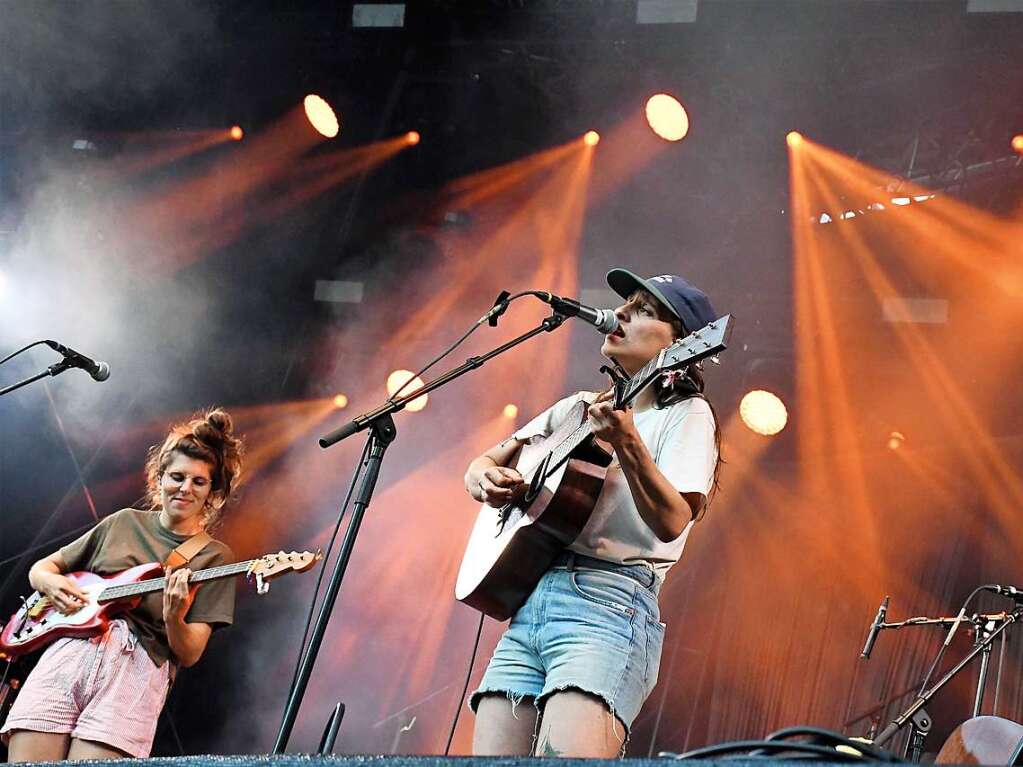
pixel 624 152
pixel 935 375
pixel 182 224
pixel 317 175
pixel 827 423
pixel 515 233
pixel 151 150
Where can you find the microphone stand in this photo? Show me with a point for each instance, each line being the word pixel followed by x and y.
pixel 982 644
pixel 55 369
pixel 382 433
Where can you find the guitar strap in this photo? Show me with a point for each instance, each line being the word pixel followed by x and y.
pixel 187 550
pixel 180 557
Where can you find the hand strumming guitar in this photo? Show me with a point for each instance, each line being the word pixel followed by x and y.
pixel 498 485
pixel 66 595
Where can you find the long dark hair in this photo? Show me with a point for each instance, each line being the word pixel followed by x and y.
pixel 689 383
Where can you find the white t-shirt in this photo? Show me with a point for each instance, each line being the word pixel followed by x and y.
pixel 680 439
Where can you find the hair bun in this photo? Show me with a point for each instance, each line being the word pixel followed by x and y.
pixel 221 421
pixel 208 436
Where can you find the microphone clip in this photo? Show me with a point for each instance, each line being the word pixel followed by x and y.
pixel 500 307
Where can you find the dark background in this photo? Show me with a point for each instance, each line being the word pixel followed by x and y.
pixel 920 89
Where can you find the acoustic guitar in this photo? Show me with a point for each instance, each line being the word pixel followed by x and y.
pixel 983 740
pixel 510 548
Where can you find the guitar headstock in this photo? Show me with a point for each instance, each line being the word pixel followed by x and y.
pixel 271 566
pixel 705 342
pixel 702 343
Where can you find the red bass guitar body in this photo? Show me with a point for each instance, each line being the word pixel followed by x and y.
pixel 38 622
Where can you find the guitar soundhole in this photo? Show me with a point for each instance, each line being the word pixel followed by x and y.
pixel 506 514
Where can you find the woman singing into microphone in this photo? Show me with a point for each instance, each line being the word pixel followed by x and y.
pixel 579 658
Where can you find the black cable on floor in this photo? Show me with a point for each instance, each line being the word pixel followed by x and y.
pixel 465 687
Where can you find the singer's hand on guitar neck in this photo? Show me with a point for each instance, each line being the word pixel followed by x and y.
pixel 177 595
pixel 610 425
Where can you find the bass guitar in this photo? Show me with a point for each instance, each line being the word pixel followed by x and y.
pixel 510 548
pixel 38 622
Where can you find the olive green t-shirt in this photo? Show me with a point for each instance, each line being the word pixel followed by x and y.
pixel 130 537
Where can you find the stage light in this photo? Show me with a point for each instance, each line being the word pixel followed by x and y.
pixel 321 116
pixel 763 412
pixel 236 132
pixel 667 117
pixel 1017 143
pixel 398 379
pixel 591 138
pixel 412 137
pixel 896 440
pixel 900 201
pixel 340 401
pixel 510 411
pixel 793 138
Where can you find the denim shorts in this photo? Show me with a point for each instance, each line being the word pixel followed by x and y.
pixel 589 625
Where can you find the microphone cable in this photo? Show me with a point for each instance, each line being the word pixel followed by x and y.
pixel 21 350
pixel 815 743
pixel 465 687
pixel 499 308
pixel 326 560
pixel 945 644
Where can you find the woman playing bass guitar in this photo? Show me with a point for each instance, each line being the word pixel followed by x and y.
pixel 100 698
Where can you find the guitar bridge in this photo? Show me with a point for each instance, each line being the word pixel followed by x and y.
pixel 35 610
pixel 503 515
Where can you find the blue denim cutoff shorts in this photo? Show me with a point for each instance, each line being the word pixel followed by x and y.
pixel 589 625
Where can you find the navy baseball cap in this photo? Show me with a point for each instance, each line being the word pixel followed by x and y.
pixel 682 299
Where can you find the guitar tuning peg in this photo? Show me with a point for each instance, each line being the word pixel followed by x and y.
pixel 261 586
pixel 715 359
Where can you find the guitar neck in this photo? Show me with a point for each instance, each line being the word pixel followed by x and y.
pixel 123 591
pixel 636 384
pixel 692 348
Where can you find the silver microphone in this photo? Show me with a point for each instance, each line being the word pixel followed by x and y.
pixel 100 371
pixel 603 320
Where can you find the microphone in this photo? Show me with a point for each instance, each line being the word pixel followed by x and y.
pixel 603 320
pixel 875 629
pixel 1008 591
pixel 100 371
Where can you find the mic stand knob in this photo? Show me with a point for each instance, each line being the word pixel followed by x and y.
pixel 919 727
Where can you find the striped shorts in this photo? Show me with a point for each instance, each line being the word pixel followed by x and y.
pixel 104 689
